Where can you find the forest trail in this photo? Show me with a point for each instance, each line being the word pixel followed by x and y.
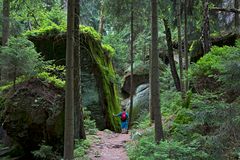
pixel 110 146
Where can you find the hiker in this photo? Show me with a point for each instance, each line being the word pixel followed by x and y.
pixel 124 120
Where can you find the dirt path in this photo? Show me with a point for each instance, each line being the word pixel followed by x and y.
pixel 110 146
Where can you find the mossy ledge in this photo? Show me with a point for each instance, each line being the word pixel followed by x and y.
pixel 51 42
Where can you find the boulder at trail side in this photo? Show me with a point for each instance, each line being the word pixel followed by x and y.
pixel 98 77
pixel 34 114
pixel 140 101
pixel 138 79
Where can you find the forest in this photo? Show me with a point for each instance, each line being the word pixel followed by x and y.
pixel 120 80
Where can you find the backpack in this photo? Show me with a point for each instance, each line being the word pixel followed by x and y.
pixel 124 116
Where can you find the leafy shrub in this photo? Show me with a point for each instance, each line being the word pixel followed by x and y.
pixel 51 79
pixel 147 149
pixel 89 124
pixel 213 124
pixel 20 58
pixel 81 147
pixel 230 77
pixel 220 62
pixel 212 62
pixel 56 70
pixel 45 153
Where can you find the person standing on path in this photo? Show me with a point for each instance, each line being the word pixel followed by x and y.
pixel 124 120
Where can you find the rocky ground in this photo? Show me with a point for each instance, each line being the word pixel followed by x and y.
pixel 110 146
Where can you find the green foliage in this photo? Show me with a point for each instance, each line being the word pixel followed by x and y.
pixel 56 70
pixel 10 84
pixel 171 102
pixel 118 42
pixel 89 124
pixel 212 63
pixel 231 74
pixel 147 149
pixel 48 30
pixel 35 14
pixel 108 49
pixel 81 147
pixel 51 79
pixel 20 57
pixel 54 29
pixel 45 153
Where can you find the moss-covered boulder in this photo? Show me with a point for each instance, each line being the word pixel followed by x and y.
pixel 34 115
pixel 99 90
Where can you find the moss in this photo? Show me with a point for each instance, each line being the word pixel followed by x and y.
pixel 108 83
pixel 51 41
pixel 46 31
pixel 54 30
pixel 52 79
pixel 108 49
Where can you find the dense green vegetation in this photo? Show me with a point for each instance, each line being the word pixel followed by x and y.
pixel 201 120
pixel 207 126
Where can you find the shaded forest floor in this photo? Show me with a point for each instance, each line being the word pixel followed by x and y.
pixel 109 146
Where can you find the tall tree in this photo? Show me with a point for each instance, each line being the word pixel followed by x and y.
pixel 79 131
pixel 206 30
pixel 170 55
pixel 179 19
pixel 69 90
pixel 237 19
pixel 131 54
pixel 5 26
pixel 101 19
pixel 5 21
pixel 186 4
pixel 154 87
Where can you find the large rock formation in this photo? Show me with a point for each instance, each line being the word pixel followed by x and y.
pixel 138 79
pixel 140 101
pixel 99 90
pixel 34 114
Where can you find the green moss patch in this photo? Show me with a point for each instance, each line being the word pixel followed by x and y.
pixel 51 42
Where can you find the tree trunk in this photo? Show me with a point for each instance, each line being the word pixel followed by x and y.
pixel 131 54
pixel 79 131
pixel 186 45
pixel 154 90
pixel 170 55
pixel 101 19
pixel 206 29
pixel 180 44
pixel 69 91
pixel 5 23
pixel 14 78
pixel 237 20
pixel 5 28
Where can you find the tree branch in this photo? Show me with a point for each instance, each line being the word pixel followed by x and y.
pixel 233 10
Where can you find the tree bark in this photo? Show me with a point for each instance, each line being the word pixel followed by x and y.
pixel 186 45
pixel 79 131
pixel 237 19
pixel 154 90
pixel 232 10
pixel 69 91
pixel 5 28
pixel 5 22
pixel 206 30
pixel 170 55
pixel 131 54
pixel 101 19
pixel 180 44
